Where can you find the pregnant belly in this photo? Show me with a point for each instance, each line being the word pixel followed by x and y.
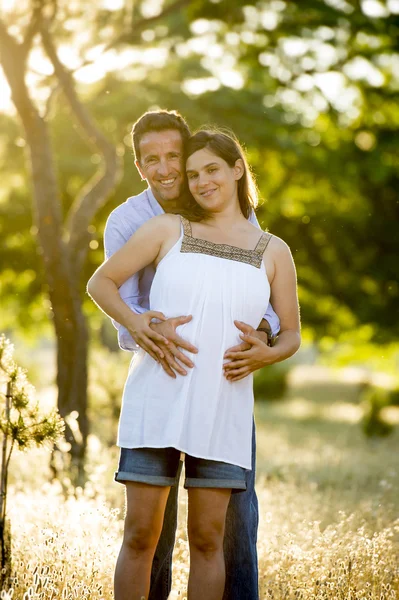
pixel 212 336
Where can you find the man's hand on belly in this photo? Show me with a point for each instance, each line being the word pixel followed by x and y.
pixel 171 350
pixel 249 356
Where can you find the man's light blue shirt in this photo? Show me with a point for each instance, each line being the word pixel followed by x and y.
pixel 121 225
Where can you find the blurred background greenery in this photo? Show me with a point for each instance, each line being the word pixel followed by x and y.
pixel 311 90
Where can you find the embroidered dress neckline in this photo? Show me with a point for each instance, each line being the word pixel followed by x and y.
pixel 196 245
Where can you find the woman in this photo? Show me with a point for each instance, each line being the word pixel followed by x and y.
pixel 219 268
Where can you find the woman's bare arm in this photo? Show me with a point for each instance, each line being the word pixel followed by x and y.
pixel 284 298
pixel 141 250
pixel 256 355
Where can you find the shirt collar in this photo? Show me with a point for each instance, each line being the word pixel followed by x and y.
pixel 156 207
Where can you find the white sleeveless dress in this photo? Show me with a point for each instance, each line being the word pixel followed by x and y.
pixel 201 414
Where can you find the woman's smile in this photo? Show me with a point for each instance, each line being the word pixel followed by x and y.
pixel 208 193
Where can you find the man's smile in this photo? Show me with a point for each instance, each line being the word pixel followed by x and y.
pixel 167 182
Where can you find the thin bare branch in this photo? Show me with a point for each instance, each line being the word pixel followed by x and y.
pixel 33 27
pixel 13 61
pixel 134 31
pixel 139 26
pixel 49 103
pixel 98 188
pixel 94 136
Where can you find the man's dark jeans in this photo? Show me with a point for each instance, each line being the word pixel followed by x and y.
pixel 239 544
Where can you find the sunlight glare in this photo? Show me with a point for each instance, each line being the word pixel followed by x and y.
pixel 269 20
pixel 113 5
pixel 294 46
pixel 361 69
pixel 232 79
pixel 8 5
pixel 341 5
pixel 373 8
pixel 113 62
pixel 6 104
pixel 196 87
pixel 331 84
pixel 151 8
pixel 39 62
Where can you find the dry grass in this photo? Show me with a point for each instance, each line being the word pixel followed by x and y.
pixel 329 503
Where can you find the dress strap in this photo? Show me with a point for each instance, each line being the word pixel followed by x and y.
pixel 186 227
pixel 263 243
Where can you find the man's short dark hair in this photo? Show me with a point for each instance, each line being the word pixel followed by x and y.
pixel 159 120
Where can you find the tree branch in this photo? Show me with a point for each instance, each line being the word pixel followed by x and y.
pixel 130 36
pixel 94 194
pixel 33 27
pixel 11 51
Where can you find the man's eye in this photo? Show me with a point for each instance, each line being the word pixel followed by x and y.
pixel 212 169
pixel 192 176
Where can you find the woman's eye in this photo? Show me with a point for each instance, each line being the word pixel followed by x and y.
pixel 192 176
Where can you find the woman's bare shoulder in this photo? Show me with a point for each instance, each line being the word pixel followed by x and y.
pixel 277 243
pixel 166 223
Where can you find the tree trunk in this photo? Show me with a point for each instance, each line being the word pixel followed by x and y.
pixel 64 292
pixel 72 356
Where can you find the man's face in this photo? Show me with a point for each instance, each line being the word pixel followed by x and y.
pixel 161 164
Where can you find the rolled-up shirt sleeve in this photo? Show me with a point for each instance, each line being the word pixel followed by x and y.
pixel 270 316
pixel 116 234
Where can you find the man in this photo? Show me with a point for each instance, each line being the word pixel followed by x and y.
pixel 158 142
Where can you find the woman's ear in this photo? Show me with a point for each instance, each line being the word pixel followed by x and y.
pixel 238 169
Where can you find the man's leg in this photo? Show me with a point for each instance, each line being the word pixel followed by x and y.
pixel 240 540
pixel 161 574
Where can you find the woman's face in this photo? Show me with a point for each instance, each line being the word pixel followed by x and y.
pixel 212 182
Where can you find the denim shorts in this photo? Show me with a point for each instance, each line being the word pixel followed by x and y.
pixel 160 466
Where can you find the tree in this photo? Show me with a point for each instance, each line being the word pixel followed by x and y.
pixel 63 243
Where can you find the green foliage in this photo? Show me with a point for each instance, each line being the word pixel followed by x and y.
pixel 394 397
pixel 107 376
pixel 271 383
pixel 375 399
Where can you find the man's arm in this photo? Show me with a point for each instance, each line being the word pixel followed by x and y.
pixel 116 234
pixel 270 321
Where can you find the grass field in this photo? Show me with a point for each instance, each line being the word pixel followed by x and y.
pixel 329 510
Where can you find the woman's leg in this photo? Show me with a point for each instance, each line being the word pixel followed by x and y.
pixel 161 574
pixel 207 509
pixel 143 524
